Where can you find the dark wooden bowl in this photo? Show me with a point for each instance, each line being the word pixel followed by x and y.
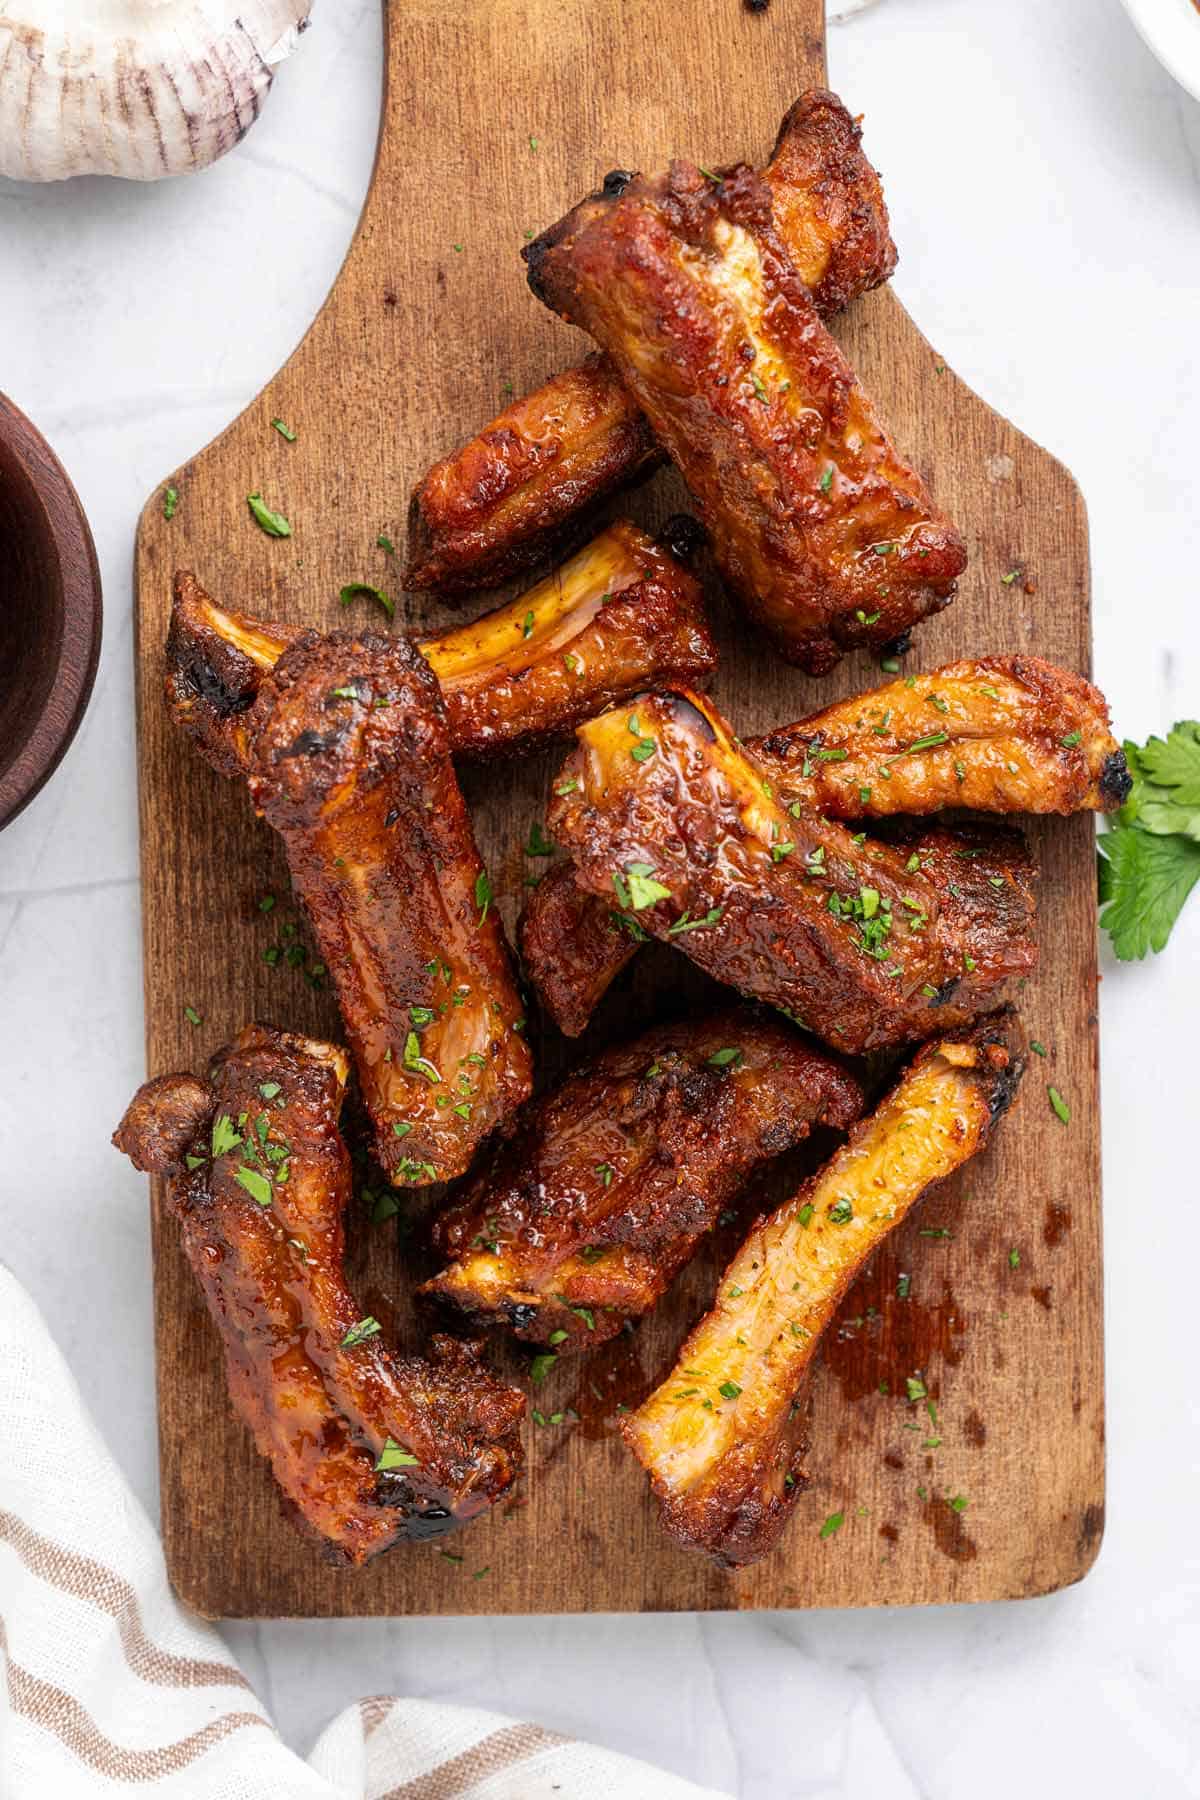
pixel 50 611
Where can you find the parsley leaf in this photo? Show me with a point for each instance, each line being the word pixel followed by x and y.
pixel 1150 854
pixel 353 588
pixel 273 523
pixel 1144 882
pixel 644 891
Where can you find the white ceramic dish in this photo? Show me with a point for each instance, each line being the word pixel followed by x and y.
pixel 1171 29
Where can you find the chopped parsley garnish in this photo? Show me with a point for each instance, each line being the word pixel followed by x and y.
pixel 643 890
pixel 606 1172
pixel 568 786
pixel 1038 1048
pixel 170 502
pixel 358 1334
pixel 826 481
pixel 833 1524
pixel 643 750
pixel 353 588
pixel 685 923
pixel 805 1214
pixel 285 431
pixel 392 1456
pixel 729 1390
pixel 927 743
pixel 724 1059
pixel 1014 1259
pixel 416 1064
pixel 916 1388
pixel 483 894
pixel 541 1366
pixel 256 1185
pixel 841 1212
pixel 273 523
pixel 1059 1106
pixel 192 1016
pixel 385 543
pixel 1072 738
pixel 539 844
pixel 224 1135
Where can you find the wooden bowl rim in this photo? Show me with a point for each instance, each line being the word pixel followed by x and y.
pixel 82 613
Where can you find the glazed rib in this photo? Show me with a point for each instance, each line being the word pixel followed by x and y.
pixel 825 534
pixel 348 758
pixel 502 500
pixel 620 614
pixel 258 1179
pixel 623 611
pixel 1016 734
pixel 863 943
pixel 1000 734
pixel 722 1437
pixel 607 1184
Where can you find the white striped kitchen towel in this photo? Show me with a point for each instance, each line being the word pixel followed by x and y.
pixel 110 1687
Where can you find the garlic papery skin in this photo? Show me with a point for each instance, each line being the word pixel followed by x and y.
pixel 138 88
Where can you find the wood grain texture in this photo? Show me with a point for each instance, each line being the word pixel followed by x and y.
pixel 413 351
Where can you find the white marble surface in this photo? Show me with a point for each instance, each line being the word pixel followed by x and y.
pixel 1044 178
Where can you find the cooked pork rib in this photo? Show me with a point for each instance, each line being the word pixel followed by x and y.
pixel 1014 734
pixel 606 1185
pixel 1002 734
pixel 619 615
pixel 368 1447
pixel 866 944
pixel 822 531
pixel 347 756
pixel 499 503
pixel 722 1437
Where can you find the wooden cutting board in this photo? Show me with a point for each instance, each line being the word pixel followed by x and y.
pixel 498 114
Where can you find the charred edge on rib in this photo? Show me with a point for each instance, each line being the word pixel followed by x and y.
pixel 899 646
pixel 1116 783
pixel 689 717
pixel 311 743
pixel 208 686
pixel 615 183
pixel 684 537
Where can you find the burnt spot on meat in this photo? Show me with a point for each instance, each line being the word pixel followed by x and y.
pixel 1116 783
pixel 684 536
pixel 898 646
pixel 311 743
pixel 615 183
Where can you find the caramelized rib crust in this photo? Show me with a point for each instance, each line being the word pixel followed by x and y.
pixel 1002 734
pixel 856 940
pixel 258 1180
pixel 497 505
pixel 721 1438
pixel 349 760
pixel 607 1185
pixel 573 945
pixel 1016 734
pixel 500 502
pixel 621 614
pixel 820 528
pixel 216 659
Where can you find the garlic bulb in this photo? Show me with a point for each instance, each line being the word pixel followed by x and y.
pixel 140 88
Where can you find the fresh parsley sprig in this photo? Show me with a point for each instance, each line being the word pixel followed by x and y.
pixel 1150 854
